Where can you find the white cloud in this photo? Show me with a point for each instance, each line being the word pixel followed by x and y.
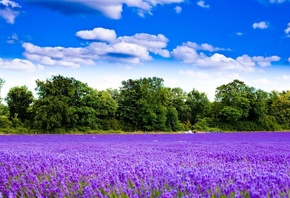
pixel 9 10
pixel 261 25
pixel 60 56
pixel 240 33
pixel 12 39
pixel 9 3
pixel 127 49
pixel 188 53
pixel 185 54
pixel 178 9
pixel 204 47
pixel 18 64
pixel 202 4
pixel 287 30
pixel 153 43
pixel 265 61
pixel 99 33
pixel 289 59
pixel 110 8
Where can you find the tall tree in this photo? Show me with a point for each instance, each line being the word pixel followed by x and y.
pixel 177 98
pixel 259 105
pixel 281 109
pixel 142 104
pixel 68 103
pixel 199 105
pixel 234 98
pixel 18 100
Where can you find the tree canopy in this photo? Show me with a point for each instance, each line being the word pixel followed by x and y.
pixel 66 104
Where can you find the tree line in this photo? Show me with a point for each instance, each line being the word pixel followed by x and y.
pixel 66 105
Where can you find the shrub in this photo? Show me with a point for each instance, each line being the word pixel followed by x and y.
pixel 5 122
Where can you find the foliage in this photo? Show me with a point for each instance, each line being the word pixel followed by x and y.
pixel 5 122
pixel 142 104
pixel 4 110
pixel 205 124
pixel 281 109
pixel 19 99
pixel 198 104
pixel 66 105
pixel 234 100
pixel 69 103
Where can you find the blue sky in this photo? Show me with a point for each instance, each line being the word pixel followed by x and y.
pixel 197 44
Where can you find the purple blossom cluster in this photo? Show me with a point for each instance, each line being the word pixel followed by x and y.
pixel 179 165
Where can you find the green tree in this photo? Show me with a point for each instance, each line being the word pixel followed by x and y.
pixel 68 103
pixel 114 93
pixel 177 99
pixel 281 109
pixel 18 100
pixel 259 105
pixel 172 122
pixel 234 99
pixel 199 105
pixel 142 104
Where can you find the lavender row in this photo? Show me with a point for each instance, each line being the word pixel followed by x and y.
pixel 146 166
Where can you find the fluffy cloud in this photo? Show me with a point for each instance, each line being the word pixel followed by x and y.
pixel 130 49
pixel 12 39
pixel 100 34
pixel 265 61
pixel 204 47
pixel 18 64
pixel 287 30
pixel 153 43
pixel 202 4
pixel 178 9
pixel 9 10
pixel 68 57
pixel 111 9
pixel 188 53
pixel 261 25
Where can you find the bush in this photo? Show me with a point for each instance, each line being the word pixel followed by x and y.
pixel 205 124
pixel 4 110
pixel 5 122
pixel 111 124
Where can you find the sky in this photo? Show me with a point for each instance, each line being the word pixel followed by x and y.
pixel 191 44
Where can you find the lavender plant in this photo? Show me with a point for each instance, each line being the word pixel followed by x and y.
pixel 194 165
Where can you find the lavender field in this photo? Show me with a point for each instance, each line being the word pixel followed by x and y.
pixel 181 165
